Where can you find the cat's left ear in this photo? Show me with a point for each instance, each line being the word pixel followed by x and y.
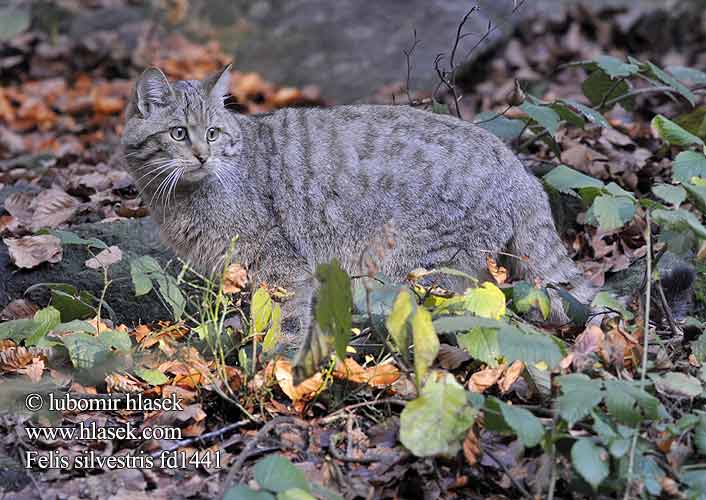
pixel 218 84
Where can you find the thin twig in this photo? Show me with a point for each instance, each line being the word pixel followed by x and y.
pixel 333 416
pixel 407 54
pixel 202 438
pixel 645 345
pixel 250 448
pixel 666 310
pixel 367 459
pixel 504 468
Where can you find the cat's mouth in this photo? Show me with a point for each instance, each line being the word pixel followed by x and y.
pixel 195 173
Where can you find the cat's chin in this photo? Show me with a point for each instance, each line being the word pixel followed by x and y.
pixel 194 175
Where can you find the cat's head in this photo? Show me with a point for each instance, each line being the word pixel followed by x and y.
pixel 178 134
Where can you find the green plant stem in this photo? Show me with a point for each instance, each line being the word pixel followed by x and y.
pixel 645 345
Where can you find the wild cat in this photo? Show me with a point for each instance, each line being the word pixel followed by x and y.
pixel 301 186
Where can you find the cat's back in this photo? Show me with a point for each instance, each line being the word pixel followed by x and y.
pixel 378 139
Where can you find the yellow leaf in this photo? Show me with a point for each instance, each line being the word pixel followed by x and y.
pixel 426 343
pixel 487 301
pixel 396 322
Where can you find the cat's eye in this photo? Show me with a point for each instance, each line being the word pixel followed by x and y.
pixel 178 133
pixel 212 134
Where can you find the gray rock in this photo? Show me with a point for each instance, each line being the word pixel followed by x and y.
pixel 135 237
pixel 351 48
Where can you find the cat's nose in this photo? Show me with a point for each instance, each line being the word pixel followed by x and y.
pixel 200 157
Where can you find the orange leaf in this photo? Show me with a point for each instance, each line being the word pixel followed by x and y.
pixel 471 447
pixel 282 371
pixel 235 279
pixel 510 376
pixel 487 377
pixel 499 273
pixel 375 376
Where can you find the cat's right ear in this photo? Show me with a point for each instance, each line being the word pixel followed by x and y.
pixel 152 90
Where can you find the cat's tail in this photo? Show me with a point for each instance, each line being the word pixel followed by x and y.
pixel 540 253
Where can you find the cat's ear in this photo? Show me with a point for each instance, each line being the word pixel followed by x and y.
pixel 218 84
pixel 152 90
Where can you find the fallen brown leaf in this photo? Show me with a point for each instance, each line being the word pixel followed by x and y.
pixel 52 208
pixel 499 273
pixel 471 447
pixel 18 309
pixel 30 251
pixel 485 378
pixel 235 279
pixel 375 376
pixel 105 258
pixel 281 370
pixel 510 376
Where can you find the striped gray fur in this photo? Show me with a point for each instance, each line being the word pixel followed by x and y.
pixel 300 186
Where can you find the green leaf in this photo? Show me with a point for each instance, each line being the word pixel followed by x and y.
pixel 436 422
pixel 334 302
pixel 697 194
pixel 13 21
pixel 46 320
pixel 526 296
pixel 530 348
pixel 606 299
pixel 426 343
pixel 152 377
pixel 69 238
pixel 567 114
pixel 591 114
pixel 453 324
pixel 487 301
pixel 295 494
pixel 85 350
pixel 565 180
pixel 674 195
pixel 700 434
pixel 612 212
pixel 694 121
pixel 527 427
pixel 172 295
pixel 275 331
pixel 482 344
pixel 580 395
pixel 668 79
pixel 241 492
pixel 142 283
pixel 687 74
pixel 679 220
pixel 673 134
pixel 600 88
pixel 146 265
pixel 615 68
pixel 506 128
pixel 688 164
pixel 71 303
pixel 141 269
pixel 678 384
pixel 17 330
pixel 544 115
pixel 276 473
pixel 628 403
pixel 397 322
pixel 590 461
pixel 260 311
